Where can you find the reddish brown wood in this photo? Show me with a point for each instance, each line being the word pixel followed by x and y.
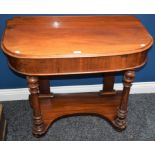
pixel 65 66
pixel 59 45
pixel 120 121
pixel 38 127
pixel 79 103
pixel 44 87
pixel 89 44
pixel 108 87
pixel 59 36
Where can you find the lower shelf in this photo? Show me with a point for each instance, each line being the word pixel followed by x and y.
pixel 62 105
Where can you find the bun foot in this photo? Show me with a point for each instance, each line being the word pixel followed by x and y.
pixel 38 132
pixel 120 122
pixel 38 127
pixel 119 125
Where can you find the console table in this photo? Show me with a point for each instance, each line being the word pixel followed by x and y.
pixel 40 47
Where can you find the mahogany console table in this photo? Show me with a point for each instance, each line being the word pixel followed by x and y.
pixel 39 47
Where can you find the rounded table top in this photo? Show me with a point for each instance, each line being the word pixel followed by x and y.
pixel 74 36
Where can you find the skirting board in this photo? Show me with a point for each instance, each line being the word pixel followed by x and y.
pixel 22 93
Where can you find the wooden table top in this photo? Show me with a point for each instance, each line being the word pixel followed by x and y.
pixel 74 36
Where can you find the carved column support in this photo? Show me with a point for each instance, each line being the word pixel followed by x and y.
pixel 120 122
pixel 38 125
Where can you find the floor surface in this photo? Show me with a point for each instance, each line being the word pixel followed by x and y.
pixel 141 123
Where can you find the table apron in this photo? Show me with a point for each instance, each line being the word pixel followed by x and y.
pixel 65 66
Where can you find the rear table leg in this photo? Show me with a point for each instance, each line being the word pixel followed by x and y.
pixel 44 87
pixel 108 87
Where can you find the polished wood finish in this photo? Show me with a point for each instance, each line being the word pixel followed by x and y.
pixel 49 66
pixel 2 124
pixel 79 104
pixel 59 37
pixel 120 121
pixel 44 87
pixel 108 87
pixel 94 42
pixel 40 47
pixel 33 84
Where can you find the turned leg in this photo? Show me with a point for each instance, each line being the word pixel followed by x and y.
pixel 108 87
pixel 38 125
pixel 120 122
pixel 44 87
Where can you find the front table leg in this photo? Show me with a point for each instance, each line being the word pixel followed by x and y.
pixel 38 124
pixel 120 121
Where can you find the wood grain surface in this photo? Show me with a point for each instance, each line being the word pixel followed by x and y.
pixel 74 36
